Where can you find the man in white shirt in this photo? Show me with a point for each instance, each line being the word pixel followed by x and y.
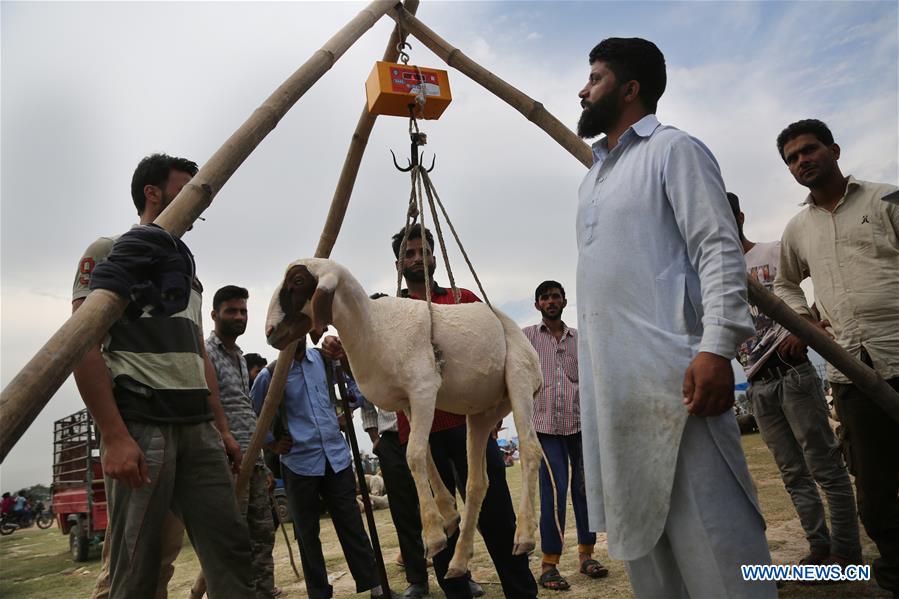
pixel 789 406
pixel 661 297
pixel 847 240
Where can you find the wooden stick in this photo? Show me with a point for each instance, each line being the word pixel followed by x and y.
pixel 356 149
pixel 26 395
pixel 527 106
pixel 858 372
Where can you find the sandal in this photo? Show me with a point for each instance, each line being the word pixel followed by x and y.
pixel 593 569
pixel 552 580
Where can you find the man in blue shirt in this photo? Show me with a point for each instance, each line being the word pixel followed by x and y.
pixel 315 462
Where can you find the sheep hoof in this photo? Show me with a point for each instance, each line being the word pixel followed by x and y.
pixel 452 526
pixel 455 571
pixel 435 546
pixel 523 547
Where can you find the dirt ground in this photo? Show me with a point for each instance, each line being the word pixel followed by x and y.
pixel 35 563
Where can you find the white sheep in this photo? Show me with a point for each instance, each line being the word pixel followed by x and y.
pixel 480 365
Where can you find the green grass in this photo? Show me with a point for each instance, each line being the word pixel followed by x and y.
pixel 36 564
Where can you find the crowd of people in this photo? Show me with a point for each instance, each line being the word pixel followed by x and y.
pixel 634 417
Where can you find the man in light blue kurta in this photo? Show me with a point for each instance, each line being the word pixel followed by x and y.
pixel 661 290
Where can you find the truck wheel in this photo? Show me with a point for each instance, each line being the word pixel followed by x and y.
pixel 78 543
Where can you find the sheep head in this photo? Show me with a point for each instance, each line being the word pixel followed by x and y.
pixel 301 303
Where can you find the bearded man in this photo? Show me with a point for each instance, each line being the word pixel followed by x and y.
pixel 662 309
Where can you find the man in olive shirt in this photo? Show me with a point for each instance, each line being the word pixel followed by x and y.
pixel 847 241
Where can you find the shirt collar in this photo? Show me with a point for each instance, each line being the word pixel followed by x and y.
pixel 566 332
pixel 851 184
pixel 435 290
pixel 214 338
pixel 642 128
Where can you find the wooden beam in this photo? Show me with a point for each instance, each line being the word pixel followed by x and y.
pixel 27 394
pixel 527 106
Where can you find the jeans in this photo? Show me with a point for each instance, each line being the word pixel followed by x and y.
pixel 560 450
pixel 791 413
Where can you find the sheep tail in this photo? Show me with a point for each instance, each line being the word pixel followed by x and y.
pixel 552 481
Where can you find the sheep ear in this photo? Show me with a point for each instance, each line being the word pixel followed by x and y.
pixel 322 301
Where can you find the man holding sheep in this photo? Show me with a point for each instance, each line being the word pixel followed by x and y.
pixel 448 447
pixel 662 310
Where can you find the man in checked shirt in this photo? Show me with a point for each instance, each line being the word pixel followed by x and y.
pixel 557 421
pixel 229 313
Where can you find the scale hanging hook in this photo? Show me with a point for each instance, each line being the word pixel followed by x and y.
pixel 417 139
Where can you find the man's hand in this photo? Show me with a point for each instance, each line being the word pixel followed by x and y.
pixel 269 482
pixel 123 460
pixel 232 448
pixel 792 349
pixel 708 385
pixel 332 349
pixel 282 445
pixel 374 436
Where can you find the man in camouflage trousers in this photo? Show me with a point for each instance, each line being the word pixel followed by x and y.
pixel 229 313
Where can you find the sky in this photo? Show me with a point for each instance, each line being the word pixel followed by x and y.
pixel 88 89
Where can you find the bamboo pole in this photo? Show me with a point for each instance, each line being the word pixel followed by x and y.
pixel 527 106
pixel 858 372
pixel 27 394
pixel 356 149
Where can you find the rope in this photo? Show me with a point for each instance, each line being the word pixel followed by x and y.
pixel 430 185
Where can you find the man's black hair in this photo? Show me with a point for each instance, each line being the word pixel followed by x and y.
pixel 546 286
pixel 794 130
pixel 254 360
pixel 414 233
pixel 734 202
pixel 228 292
pixel 155 170
pixel 634 58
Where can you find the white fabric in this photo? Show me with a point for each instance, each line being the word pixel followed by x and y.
pixel 660 277
pixel 711 529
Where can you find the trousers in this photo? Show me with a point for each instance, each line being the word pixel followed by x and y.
pixel 189 473
pixel 711 530
pixel 562 451
pixel 791 413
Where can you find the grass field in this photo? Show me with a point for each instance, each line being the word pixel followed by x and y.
pixel 36 564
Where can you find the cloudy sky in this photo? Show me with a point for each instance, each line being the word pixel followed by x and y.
pixel 90 88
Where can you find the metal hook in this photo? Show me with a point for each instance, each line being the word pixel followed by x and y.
pixel 418 139
pixel 404 56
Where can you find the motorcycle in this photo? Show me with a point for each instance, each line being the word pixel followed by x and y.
pixel 13 521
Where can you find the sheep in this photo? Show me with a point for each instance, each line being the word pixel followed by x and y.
pixel 480 364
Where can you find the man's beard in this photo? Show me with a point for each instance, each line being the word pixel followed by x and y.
pixel 418 276
pixel 232 329
pixel 599 116
pixel 548 316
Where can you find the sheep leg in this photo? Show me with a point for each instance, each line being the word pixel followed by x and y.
pixel 417 451
pixel 479 427
pixel 521 395
pixel 446 503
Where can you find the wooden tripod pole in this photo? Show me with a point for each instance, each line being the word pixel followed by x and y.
pixel 527 106
pixel 27 394
pixel 866 378
pixel 858 372
pixel 331 229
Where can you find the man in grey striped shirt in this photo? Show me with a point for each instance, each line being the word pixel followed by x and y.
pixel 229 313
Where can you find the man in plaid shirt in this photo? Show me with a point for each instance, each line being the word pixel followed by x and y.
pixel 558 424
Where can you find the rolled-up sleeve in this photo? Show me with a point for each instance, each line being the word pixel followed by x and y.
pixel 696 193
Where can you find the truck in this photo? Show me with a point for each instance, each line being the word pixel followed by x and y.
pixel 79 496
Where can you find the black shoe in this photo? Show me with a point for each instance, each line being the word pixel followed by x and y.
pixel 416 590
pixel 476 589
